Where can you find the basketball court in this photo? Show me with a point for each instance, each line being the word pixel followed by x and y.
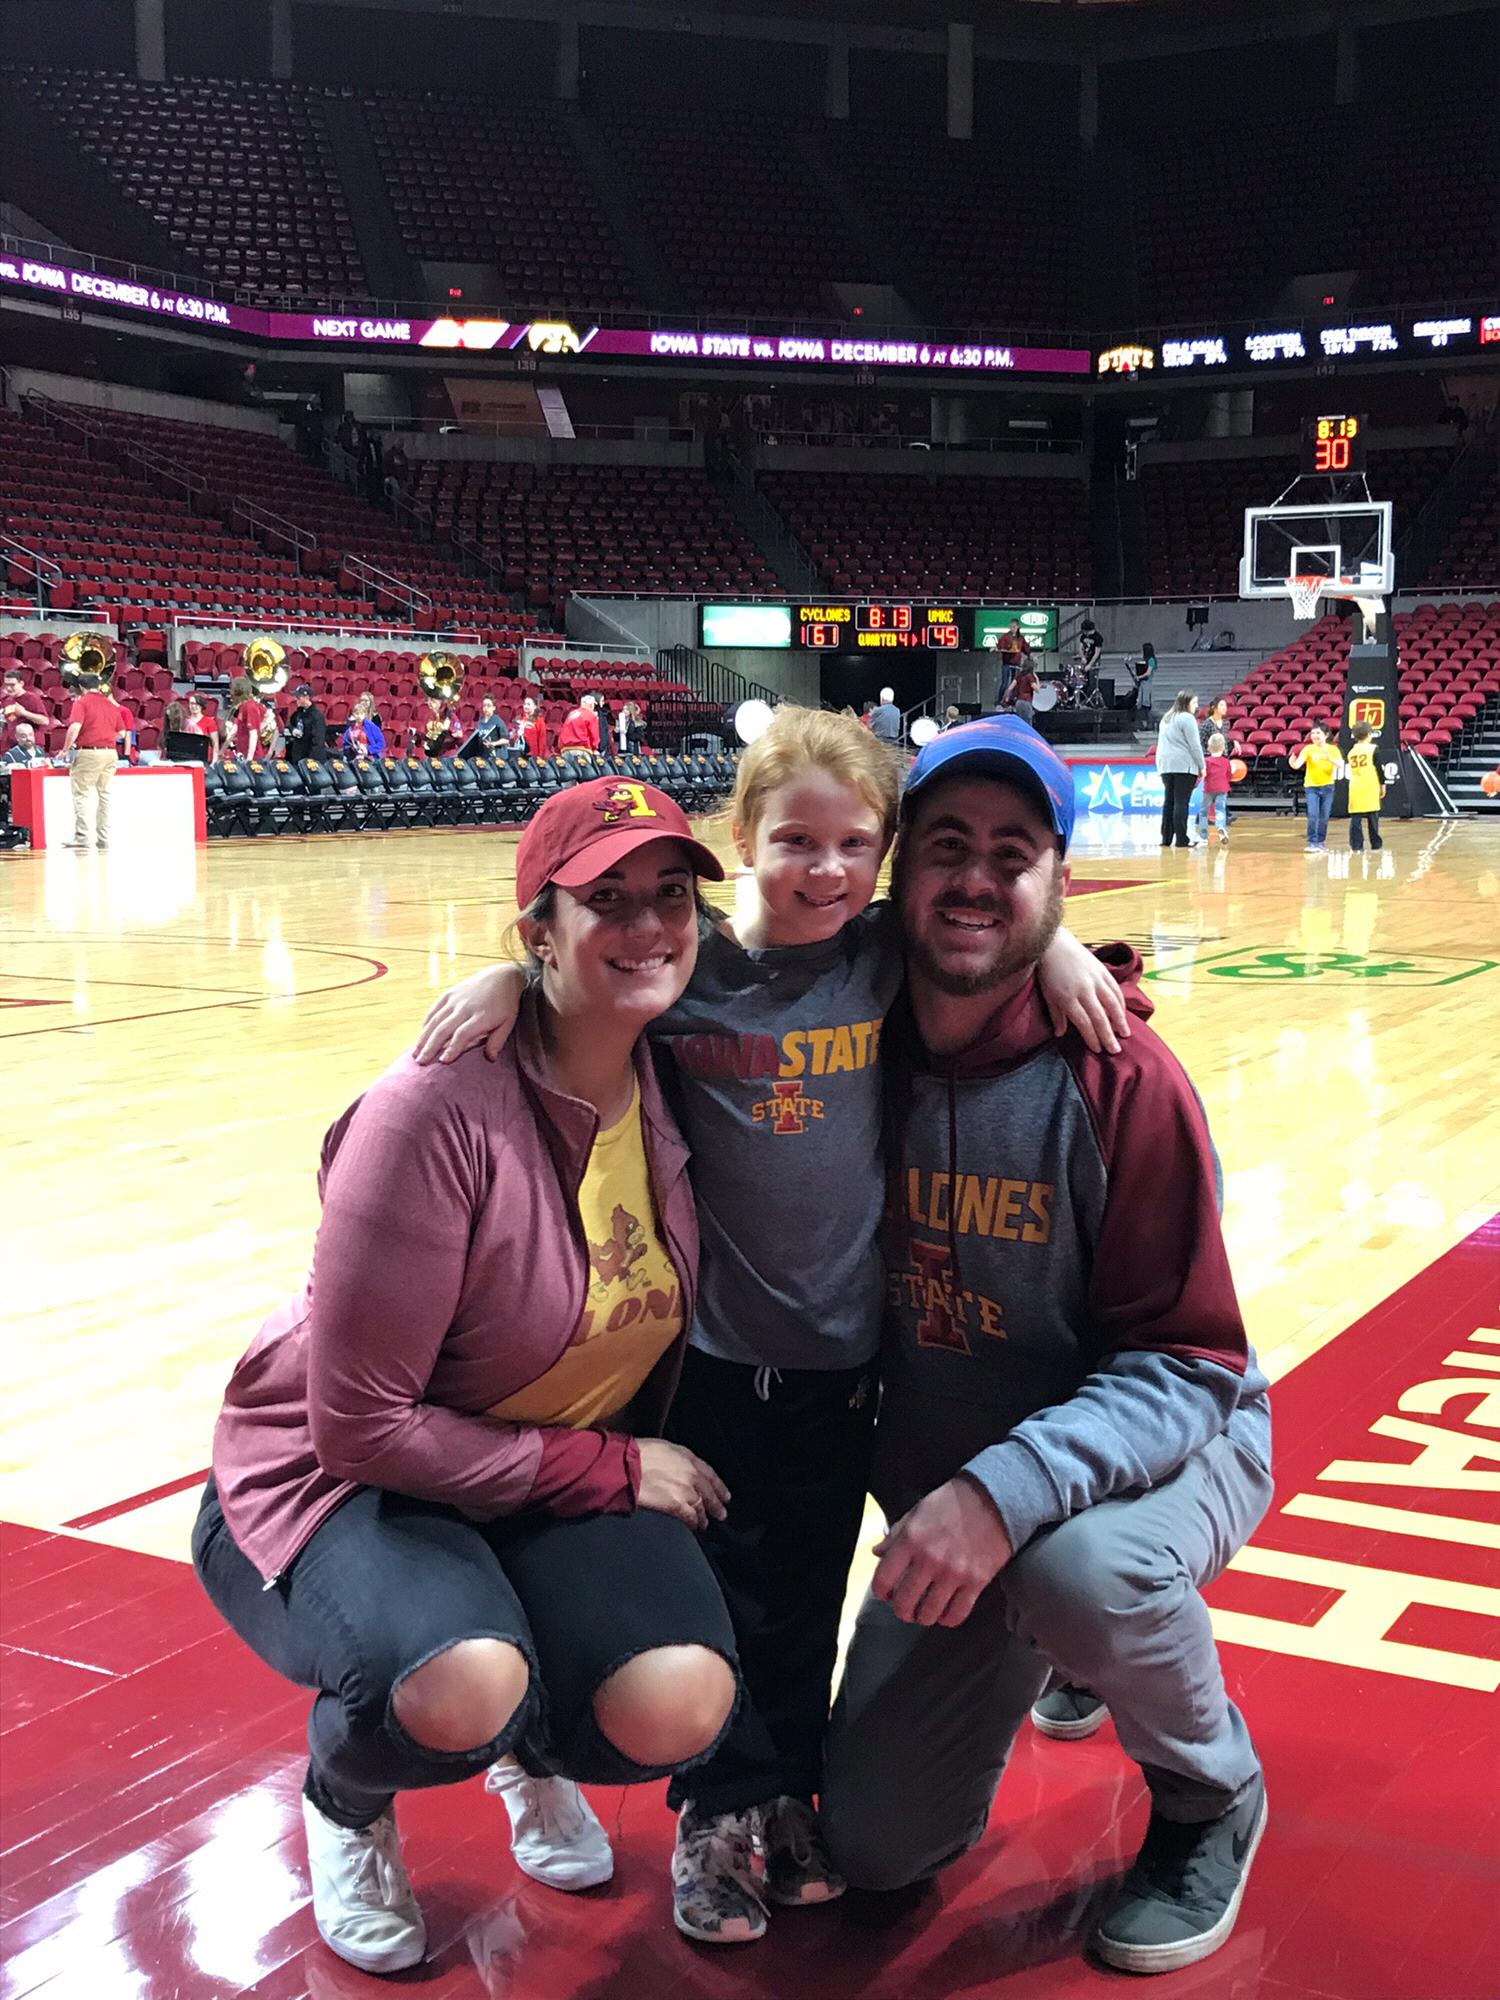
pixel 174 1038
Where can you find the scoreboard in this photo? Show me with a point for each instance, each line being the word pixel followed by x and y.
pixel 1333 445
pixel 886 626
pixel 872 625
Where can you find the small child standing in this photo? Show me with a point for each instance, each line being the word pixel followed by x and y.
pixel 1216 781
pixel 1365 790
pixel 1318 761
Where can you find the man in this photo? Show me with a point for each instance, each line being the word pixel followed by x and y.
pixel 19 704
pixel 94 724
pixel 1019 697
pixel 1090 645
pixel 885 718
pixel 581 730
pixel 1014 651
pixel 306 729
pixel 25 750
pixel 1073 1436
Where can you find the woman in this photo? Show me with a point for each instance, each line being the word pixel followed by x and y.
pixel 630 727
pixel 1142 672
pixel 437 1495
pixel 491 725
pixel 1179 760
pixel 246 714
pixel 199 724
pixel 363 735
pixel 1215 723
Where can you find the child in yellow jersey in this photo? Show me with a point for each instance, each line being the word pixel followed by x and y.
pixel 1318 761
pixel 1365 790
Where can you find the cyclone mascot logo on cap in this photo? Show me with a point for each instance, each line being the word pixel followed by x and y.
pixel 624 802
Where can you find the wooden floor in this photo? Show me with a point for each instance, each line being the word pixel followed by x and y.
pixel 173 1042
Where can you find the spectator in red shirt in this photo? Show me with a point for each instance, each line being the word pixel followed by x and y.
pixel 246 714
pixel 1021 693
pixel 18 703
pixel 1015 653
pixel 199 724
pixel 94 724
pixel 531 731
pixel 581 730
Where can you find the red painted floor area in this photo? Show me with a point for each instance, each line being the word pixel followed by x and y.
pixel 152 1846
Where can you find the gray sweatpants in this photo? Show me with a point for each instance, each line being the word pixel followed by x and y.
pixel 925 1715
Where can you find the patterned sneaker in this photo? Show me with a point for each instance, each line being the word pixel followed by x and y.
pixel 799 1868
pixel 555 1836
pixel 1183 1894
pixel 362 1902
pixel 715 1896
pixel 1068 1713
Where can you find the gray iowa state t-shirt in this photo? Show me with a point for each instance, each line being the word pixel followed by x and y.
pixel 777 1085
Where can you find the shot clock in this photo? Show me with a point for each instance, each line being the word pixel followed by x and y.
pixel 1333 445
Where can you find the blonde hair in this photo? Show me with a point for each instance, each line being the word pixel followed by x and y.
pixel 814 739
pixel 1216 744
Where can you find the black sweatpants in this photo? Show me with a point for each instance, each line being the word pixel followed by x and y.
pixel 793 1447
pixel 1357 824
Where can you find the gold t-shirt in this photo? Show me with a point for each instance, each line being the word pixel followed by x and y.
pixel 633 1311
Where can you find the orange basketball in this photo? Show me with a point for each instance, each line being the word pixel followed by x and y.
pixel 1489 784
pixel 1237 769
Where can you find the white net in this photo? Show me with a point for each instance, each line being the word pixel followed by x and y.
pixel 1304 591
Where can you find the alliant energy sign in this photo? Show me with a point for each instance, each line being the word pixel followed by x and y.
pixel 545 337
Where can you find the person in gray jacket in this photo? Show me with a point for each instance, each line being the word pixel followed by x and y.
pixel 1073 1436
pixel 1179 761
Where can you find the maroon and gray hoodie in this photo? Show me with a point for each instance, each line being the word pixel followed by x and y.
pixel 1062 1321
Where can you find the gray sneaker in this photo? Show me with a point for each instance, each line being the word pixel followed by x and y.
pixel 1068 1713
pixel 1183 1893
pixel 716 1896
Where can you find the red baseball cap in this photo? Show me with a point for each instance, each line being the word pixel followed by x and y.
pixel 585 829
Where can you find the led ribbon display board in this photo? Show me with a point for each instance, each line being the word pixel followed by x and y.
pixel 484 335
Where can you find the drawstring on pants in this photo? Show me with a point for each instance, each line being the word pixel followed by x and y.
pixel 764 1377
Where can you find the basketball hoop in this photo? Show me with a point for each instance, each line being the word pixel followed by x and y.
pixel 1304 591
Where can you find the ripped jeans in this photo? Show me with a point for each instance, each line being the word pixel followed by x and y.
pixel 388 1582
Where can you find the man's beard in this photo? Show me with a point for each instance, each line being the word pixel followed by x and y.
pixel 1020 951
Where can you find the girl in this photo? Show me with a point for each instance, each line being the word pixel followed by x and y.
pixel 246 714
pixel 1179 761
pixel 435 1496
pixel 491 725
pixel 1318 761
pixel 1216 781
pixel 531 731
pixel 199 724
pixel 363 735
pixel 774 1051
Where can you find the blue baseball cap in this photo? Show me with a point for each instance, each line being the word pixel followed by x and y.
pixel 1003 746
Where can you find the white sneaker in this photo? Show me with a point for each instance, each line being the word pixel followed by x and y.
pixel 362 1902
pixel 555 1834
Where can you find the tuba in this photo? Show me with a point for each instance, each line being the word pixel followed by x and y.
pixel 90 653
pixel 264 662
pixel 440 676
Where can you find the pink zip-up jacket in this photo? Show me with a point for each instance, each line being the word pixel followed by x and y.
pixel 450 1271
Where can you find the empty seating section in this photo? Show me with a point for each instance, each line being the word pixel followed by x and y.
pixel 1449 658
pixel 477 181
pixel 738 211
pixel 959 536
pixel 984 229
pixel 1472 551
pixel 1224 215
pixel 1193 512
pixel 237 572
pixel 595 527
pixel 240 176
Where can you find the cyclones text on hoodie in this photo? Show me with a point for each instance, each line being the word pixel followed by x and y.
pixel 1062 1320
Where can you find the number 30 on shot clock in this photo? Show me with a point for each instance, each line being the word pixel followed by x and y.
pixel 1333 445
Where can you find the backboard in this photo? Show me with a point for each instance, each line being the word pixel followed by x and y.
pixel 1347 541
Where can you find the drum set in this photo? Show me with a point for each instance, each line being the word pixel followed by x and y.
pixel 1075 687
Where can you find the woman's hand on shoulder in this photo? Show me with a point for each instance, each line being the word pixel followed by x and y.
pixel 482 1008
pixel 676 1481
